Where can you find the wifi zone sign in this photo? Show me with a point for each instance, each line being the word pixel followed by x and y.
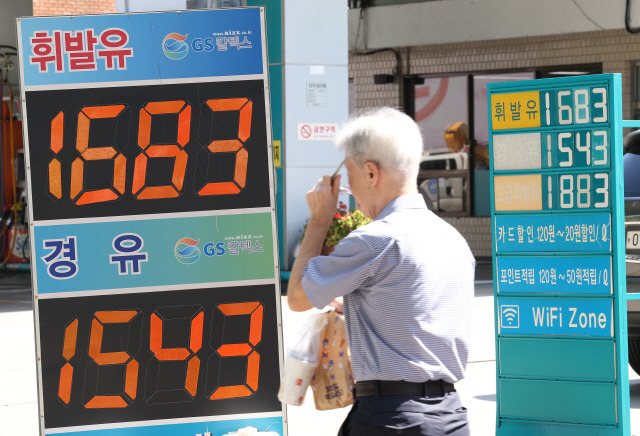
pixel 510 316
pixel 556 316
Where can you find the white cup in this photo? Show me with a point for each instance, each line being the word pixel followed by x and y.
pixel 297 376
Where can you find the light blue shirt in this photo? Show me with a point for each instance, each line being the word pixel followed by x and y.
pixel 407 281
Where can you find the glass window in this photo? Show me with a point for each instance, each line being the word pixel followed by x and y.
pixel 480 120
pixel 440 102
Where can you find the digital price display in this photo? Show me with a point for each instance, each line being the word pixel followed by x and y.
pixel 553 191
pixel 199 148
pixel 558 255
pixel 571 105
pixel 188 353
pixel 150 177
pixel 584 148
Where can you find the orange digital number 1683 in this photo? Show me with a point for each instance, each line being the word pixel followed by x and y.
pixel 139 187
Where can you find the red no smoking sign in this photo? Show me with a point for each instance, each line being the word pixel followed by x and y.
pixel 317 131
pixel 306 131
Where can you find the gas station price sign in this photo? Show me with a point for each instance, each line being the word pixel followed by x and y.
pixel 194 150
pixel 149 169
pixel 573 105
pixel 558 256
pixel 193 353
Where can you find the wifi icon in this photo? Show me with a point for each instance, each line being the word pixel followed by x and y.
pixel 510 316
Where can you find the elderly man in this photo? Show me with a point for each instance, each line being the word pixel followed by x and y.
pixel 407 282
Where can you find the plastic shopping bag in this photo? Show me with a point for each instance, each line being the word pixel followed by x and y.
pixel 301 361
pixel 333 379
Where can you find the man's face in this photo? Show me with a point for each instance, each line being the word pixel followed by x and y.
pixel 358 185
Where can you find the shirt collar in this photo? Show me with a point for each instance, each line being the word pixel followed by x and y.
pixel 407 201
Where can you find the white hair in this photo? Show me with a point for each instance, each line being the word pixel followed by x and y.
pixel 387 137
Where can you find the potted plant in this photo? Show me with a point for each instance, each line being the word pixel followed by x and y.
pixel 343 223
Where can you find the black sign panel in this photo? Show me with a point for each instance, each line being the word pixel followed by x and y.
pixel 148 149
pixel 159 355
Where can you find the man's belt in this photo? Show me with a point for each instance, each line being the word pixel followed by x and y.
pixel 383 387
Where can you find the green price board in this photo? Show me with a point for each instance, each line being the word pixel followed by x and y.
pixel 558 256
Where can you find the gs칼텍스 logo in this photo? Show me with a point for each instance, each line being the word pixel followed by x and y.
pixel 187 250
pixel 174 46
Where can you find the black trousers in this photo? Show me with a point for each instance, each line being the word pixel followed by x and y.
pixel 438 415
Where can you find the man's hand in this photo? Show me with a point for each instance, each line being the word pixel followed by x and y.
pixel 338 304
pixel 322 200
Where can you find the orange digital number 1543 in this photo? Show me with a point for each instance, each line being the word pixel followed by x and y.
pixel 161 353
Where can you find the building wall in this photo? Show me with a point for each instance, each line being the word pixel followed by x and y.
pixel 477 232
pixel 73 7
pixel 617 50
pixel 450 21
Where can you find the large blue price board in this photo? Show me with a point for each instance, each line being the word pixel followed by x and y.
pixel 151 200
pixel 558 256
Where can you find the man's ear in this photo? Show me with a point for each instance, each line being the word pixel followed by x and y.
pixel 372 170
